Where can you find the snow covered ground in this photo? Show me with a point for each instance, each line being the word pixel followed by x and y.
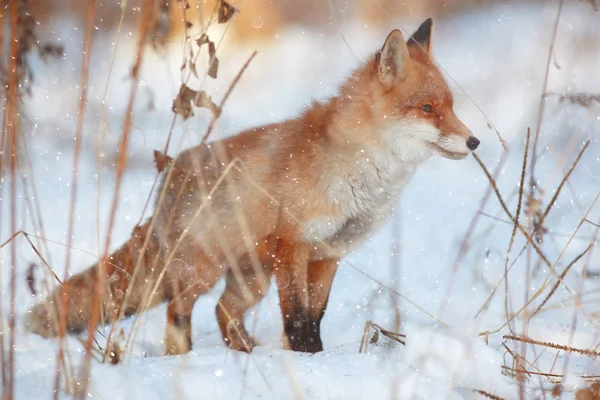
pixel 498 57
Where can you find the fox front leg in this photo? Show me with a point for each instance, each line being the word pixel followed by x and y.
pixel 291 273
pixel 320 278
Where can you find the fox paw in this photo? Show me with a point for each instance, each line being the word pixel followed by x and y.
pixel 177 341
pixel 241 341
pixel 310 345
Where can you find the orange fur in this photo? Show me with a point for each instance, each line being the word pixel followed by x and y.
pixel 290 199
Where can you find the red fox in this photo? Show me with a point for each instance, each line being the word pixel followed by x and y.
pixel 287 199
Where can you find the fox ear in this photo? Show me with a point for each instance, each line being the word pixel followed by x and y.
pixel 422 37
pixel 394 60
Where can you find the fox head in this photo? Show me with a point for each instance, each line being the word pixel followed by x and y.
pixel 410 103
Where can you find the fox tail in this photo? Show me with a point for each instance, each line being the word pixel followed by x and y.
pixel 121 282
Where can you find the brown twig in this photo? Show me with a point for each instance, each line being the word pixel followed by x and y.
pixel 464 245
pixel 488 395
pixel 583 99
pixel 542 218
pixel 145 19
pixel 560 279
pixel 507 211
pixel 100 140
pixel 515 224
pixel 167 177
pixel 10 131
pixel 227 94
pixel 562 182
pixel 542 106
pixel 533 244
pixel 62 320
pixel 165 185
pixel 586 352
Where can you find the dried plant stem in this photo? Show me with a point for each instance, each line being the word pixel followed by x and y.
pixel 577 297
pixel 533 244
pixel 161 199
pixel 3 146
pixel 168 175
pixel 145 19
pixel 100 142
pixel 561 278
pixel 62 323
pixel 464 246
pixel 586 352
pixel 10 131
pixel 542 106
pixel 488 395
pixel 227 94
pixel 203 141
pixel 532 181
pixel 180 239
pixel 528 236
pixel 507 211
pixel 519 371
pixel 185 80
pixel 515 225
pixel 562 182
pixel 520 360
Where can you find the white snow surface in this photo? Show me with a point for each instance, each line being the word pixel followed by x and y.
pixel 496 57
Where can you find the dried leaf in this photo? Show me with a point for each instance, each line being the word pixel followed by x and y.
pixel 226 11
pixel 375 337
pixel 202 40
pixel 182 104
pixel 162 161
pixel 191 63
pixel 31 278
pixel 192 68
pixel 213 62
pixel 115 353
pixel 203 100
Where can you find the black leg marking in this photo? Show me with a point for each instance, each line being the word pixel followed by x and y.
pixel 303 331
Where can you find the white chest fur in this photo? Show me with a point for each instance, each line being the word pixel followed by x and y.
pixel 365 192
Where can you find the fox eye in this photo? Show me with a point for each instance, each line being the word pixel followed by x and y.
pixel 427 108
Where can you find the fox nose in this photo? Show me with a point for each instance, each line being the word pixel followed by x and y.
pixel 472 143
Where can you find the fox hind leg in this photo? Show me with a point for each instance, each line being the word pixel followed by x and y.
pixel 179 324
pixel 187 284
pixel 242 291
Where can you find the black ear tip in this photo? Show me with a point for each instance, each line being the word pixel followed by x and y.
pixel 427 25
